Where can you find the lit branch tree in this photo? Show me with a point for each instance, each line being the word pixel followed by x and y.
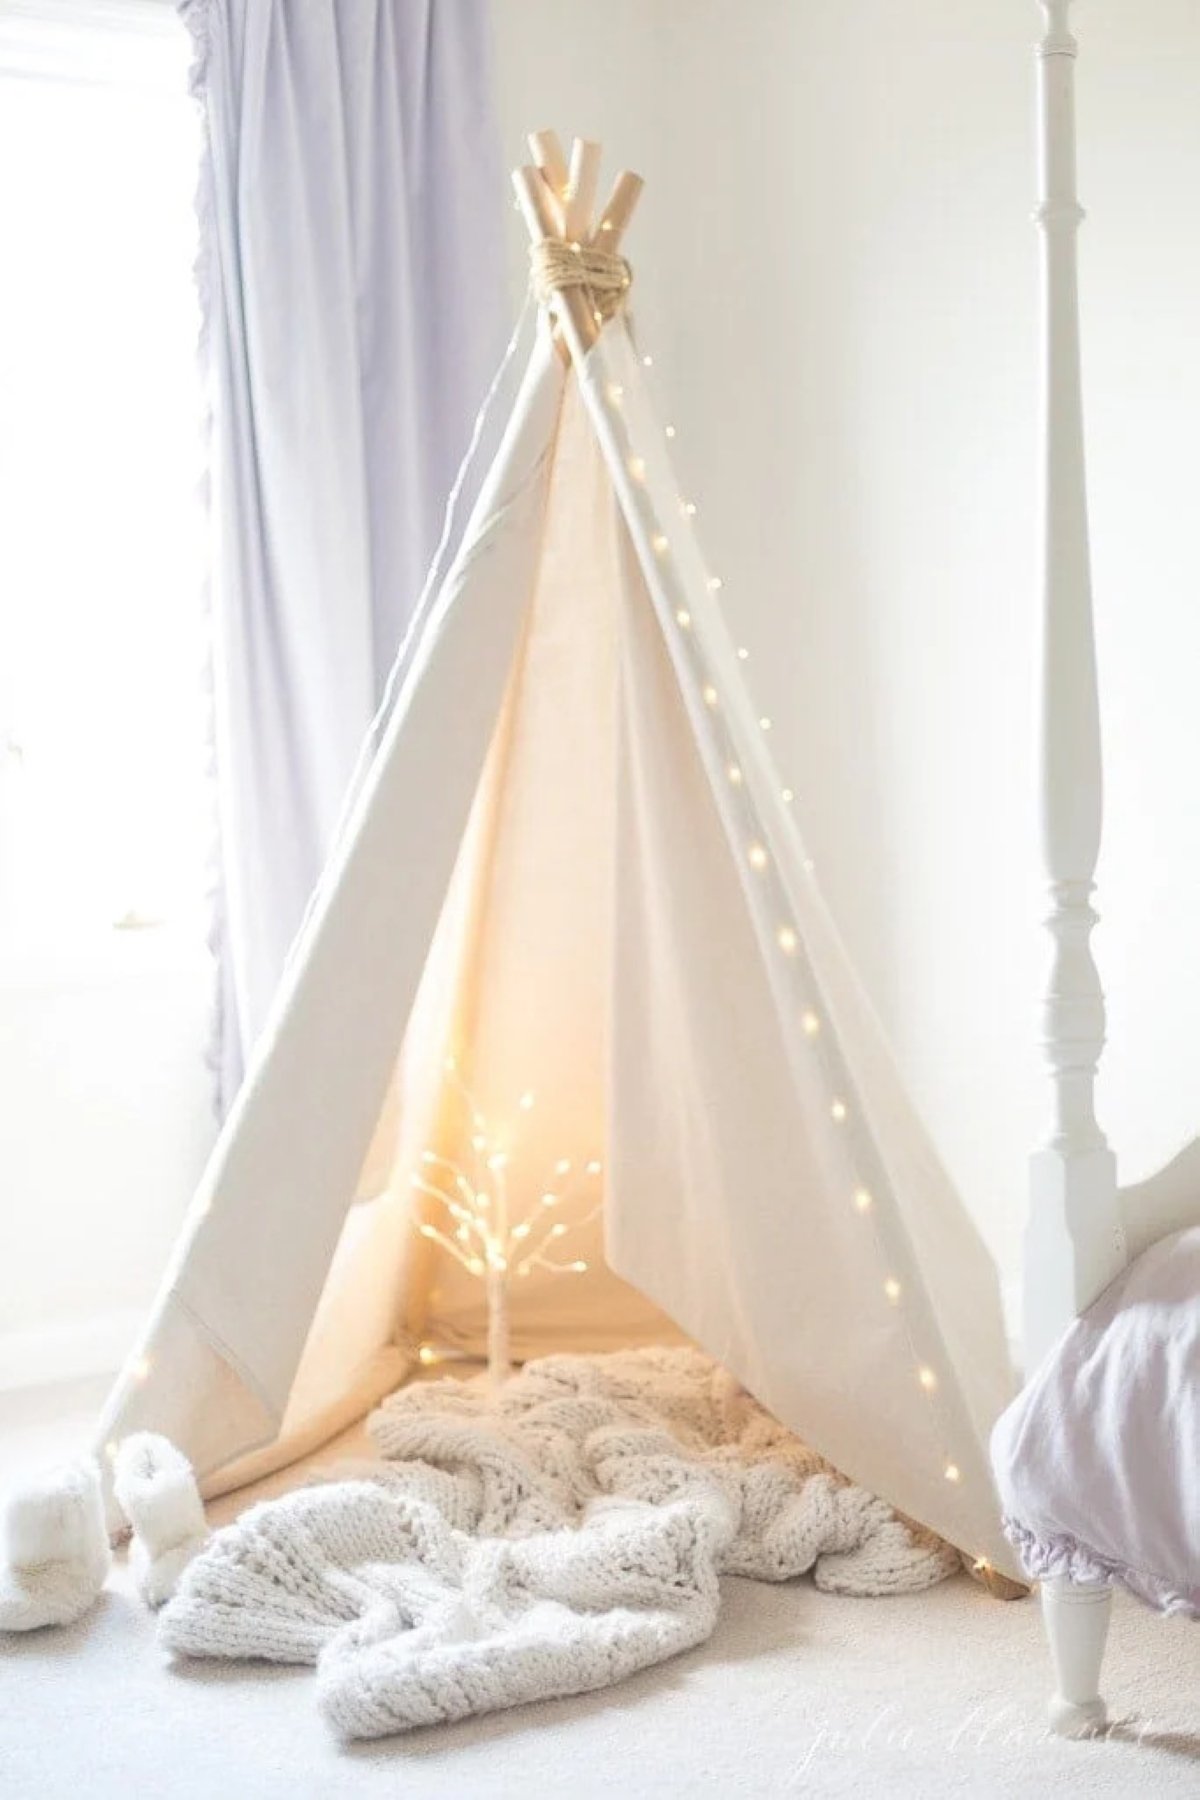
pixel 477 1226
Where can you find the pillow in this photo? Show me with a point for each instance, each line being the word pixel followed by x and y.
pixel 1097 1461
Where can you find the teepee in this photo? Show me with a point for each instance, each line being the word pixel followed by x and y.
pixel 568 1052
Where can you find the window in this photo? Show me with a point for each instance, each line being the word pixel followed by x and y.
pixel 102 799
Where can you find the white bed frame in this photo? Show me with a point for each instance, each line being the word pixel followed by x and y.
pixel 1082 1229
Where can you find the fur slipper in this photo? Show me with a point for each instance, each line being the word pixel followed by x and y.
pixel 155 1487
pixel 56 1549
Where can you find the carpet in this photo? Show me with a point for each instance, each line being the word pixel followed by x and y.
pixel 796 1693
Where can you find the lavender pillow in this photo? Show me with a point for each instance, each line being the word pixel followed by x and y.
pixel 1097 1460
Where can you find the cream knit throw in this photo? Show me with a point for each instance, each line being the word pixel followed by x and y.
pixel 547 1539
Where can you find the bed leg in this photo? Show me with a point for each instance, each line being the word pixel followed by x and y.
pixel 1076 1615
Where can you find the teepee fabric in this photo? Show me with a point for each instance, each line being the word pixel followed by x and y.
pixel 571 916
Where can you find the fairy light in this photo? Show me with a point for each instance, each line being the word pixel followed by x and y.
pixel 683 617
pixel 764 723
pixel 927 1378
pixel 837 1112
pixel 863 1199
pixel 735 775
pixel 616 393
pixel 715 584
pixel 637 467
pixel 891 1288
pixel 952 1472
pixel 688 508
pixel 475 1222
pixel 787 796
pixel 756 856
pixel 787 940
pixel 426 1354
pixel 647 362
pixel 710 695
pixel 661 543
pixel 743 653
pixel 668 431
pixel 810 1024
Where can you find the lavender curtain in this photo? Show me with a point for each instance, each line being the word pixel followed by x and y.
pixel 351 271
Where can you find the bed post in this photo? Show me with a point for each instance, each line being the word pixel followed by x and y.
pixel 1074 1244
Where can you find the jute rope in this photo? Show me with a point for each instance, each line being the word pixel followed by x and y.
pixel 555 265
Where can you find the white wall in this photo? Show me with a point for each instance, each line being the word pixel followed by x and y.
pixel 836 272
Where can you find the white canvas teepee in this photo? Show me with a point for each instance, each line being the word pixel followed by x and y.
pixel 569 960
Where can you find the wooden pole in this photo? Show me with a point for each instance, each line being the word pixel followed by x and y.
pixel 1074 1244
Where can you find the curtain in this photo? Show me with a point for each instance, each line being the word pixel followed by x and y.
pixel 351 273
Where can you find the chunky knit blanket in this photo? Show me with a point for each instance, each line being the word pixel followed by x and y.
pixel 545 1539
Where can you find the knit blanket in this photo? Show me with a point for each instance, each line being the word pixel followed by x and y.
pixel 544 1539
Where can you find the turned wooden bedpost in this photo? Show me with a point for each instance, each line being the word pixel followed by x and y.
pixel 1073 1244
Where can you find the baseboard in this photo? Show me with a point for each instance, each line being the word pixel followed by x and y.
pixel 70 1350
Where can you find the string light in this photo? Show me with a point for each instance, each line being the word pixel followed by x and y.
pixel 426 1354
pixel 952 1472
pixel 689 508
pixel 668 431
pixel 787 796
pixel 756 856
pixel 661 544
pixel 684 617
pixel 715 584
pixel 647 362
pixel 616 393
pixel 891 1288
pixel 838 1111
pixel 637 467
pixel 525 1102
pixel 734 774
pixel 927 1378
pixel 743 653
pixel 764 723
pixel 863 1199
pixel 810 1023
pixel 788 940
pixel 710 695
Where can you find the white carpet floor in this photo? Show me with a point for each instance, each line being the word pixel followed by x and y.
pixel 798 1693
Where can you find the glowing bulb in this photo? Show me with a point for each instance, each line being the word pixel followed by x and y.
pixel 593 1168
pixel 811 1024
pixel 526 1102
pixel 427 1231
pixel 787 796
pixel 479 1142
pixel 579 1268
pixel 497 1161
pixel 863 1199
pixel 756 856
pixel 558 1230
pixel 429 1156
pixel 838 1110
pixel 952 1472
pixel 787 940
pixel 743 653
pixel 476 1265
pixel 660 543
pixel 598 316
pixel 710 695
pixel 734 774
pixel 575 247
pixel 606 224
pixel 891 1288
pixel 684 617
pixel 616 393
pixel 765 724
pixel 427 1354
pixel 499 1263
pixel 927 1378
pixel 521 1230
pixel 549 1199
pixel 689 507
pixel 563 1167
pixel 715 584
pixel 637 467
pixel 647 362
pixel 669 431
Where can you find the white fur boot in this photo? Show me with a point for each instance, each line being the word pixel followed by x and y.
pixel 155 1486
pixel 56 1549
